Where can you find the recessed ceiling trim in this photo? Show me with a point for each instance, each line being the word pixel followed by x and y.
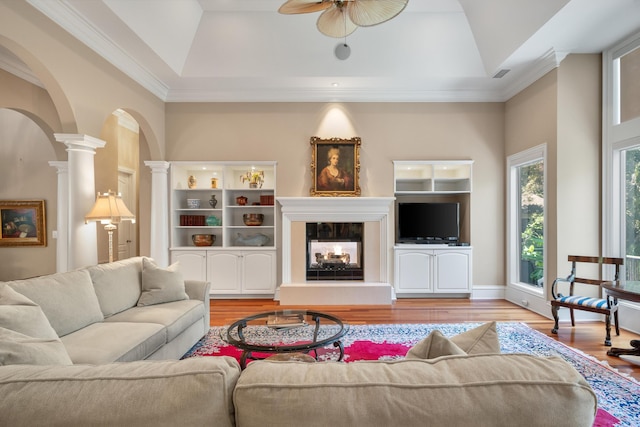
pixel 333 95
pixel 550 60
pixel 65 15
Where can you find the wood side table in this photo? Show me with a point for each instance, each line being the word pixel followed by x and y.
pixel 627 290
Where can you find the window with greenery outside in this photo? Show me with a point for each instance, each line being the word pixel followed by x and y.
pixel 632 213
pixel 532 223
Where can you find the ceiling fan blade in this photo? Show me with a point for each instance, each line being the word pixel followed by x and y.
pixel 335 22
pixel 366 13
pixel 291 7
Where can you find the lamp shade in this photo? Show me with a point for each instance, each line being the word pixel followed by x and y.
pixel 109 208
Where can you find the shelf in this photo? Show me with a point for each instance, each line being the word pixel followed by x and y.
pixel 432 177
pixel 228 187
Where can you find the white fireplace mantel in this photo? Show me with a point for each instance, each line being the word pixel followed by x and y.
pixel 337 209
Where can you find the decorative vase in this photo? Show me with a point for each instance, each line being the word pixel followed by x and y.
pixel 241 200
pixel 214 182
pixel 213 221
pixel 192 181
pixel 253 185
pixel 213 201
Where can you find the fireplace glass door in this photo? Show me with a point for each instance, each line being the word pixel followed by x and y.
pixel 334 251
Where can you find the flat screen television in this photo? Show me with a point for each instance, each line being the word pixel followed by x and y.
pixel 428 222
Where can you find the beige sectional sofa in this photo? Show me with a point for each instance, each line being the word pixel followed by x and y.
pixel 458 381
pixel 119 312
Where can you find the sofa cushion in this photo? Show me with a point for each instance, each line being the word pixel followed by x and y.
pixel 117 284
pixel 192 392
pixel 476 390
pixel 174 316
pixel 160 285
pixel 67 299
pixel 108 342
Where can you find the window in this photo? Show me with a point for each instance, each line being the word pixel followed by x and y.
pixel 628 66
pixel 526 228
pixel 526 216
pixel 621 164
pixel 631 159
pixel 531 222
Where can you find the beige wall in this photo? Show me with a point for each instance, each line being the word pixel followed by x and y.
pixel 26 175
pixel 81 90
pixel 389 131
pixel 562 110
pixel 579 160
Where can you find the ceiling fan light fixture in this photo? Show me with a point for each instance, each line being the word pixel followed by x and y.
pixel 342 52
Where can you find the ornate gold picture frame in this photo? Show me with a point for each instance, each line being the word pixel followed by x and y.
pixel 23 223
pixel 335 167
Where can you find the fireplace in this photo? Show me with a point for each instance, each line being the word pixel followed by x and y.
pixel 334 251
pixel 371 284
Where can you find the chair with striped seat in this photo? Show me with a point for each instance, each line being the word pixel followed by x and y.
pixel 607 306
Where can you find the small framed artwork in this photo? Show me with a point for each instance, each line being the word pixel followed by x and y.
pixel 335 166
pixel 23 223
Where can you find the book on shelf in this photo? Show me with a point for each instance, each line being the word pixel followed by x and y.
pixel 278 321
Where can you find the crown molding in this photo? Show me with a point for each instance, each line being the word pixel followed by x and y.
pixel 67 17
pixel 13 65
pixel 533 72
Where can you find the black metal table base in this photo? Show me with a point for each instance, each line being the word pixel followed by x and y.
pixel 634 351
pixel 248 354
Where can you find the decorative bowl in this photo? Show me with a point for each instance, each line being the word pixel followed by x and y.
pixel 203 239
pixel 253 219
pixel 193 203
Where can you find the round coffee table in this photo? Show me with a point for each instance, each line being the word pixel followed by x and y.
pixel 285 331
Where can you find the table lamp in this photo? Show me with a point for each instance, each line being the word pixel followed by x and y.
pixel 109 210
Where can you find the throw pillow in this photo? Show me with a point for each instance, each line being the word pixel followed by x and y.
pixel 161 285
pixel 26 336
pixel 18 313
pixel 21 349
pixel 434 345
pixel 480 340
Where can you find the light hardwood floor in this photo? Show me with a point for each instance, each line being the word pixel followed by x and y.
pixel 587 337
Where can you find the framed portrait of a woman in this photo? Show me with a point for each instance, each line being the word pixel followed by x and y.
pixel 335 166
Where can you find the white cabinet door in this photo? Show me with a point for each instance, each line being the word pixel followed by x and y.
pixel 259 272
pixel 452 271
pixel 224 272
pixel 413 270
pixel 193 264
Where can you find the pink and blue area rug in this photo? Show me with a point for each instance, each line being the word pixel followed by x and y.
pixel 618 395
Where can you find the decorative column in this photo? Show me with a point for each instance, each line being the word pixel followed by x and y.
pixel 62 232
pixel 82 240
pixel 159 222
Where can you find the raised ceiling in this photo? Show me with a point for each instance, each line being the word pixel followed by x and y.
pixel 435 50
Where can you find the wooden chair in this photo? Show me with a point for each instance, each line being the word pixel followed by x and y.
pixel 607 306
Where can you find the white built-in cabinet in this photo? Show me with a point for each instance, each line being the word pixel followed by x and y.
pixel 242 260
pixel 423 270
pixel 420 270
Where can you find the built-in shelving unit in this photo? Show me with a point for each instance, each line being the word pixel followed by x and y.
pixel 230 263
pixel 429 177
pixel 423 269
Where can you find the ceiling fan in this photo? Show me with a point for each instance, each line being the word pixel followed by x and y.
pixel 342 17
